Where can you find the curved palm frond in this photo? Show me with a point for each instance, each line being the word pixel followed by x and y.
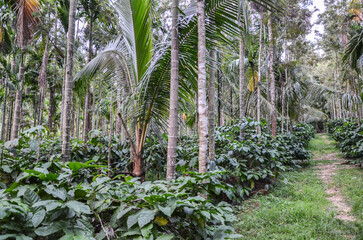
pixel 354 50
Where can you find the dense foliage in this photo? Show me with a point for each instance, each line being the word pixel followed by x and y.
pixel 43 197
pixel 349 136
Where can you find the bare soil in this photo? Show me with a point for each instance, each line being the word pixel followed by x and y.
pixel 326 171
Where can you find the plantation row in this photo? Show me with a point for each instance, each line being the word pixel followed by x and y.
pixel 349 136
pixel 43 198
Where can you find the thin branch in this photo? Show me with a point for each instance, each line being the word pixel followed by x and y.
pixel 103 228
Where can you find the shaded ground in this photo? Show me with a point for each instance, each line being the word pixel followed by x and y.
pixel 314 203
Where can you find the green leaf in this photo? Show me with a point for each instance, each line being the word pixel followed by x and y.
pixel 168 211
pixel 188 211
pixel 78 207
pixel 206 214
pixel 132 219
pixel 48 204
pixel 75 166
pixel 252 184
pixel 16 236
pixel 30 197
pixel 56 192
pixel 38 217
pixel 48 177
pixel 119 213
pixel 145 231
pixel 50 229
pixel 6 169
pixel 34 144
pixel 165 237
pixel 145 217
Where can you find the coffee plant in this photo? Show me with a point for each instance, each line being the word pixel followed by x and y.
pixel 43 197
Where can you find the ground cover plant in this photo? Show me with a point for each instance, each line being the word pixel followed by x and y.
pixel 44 196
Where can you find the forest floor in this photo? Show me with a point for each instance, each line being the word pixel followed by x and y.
pixel 322 201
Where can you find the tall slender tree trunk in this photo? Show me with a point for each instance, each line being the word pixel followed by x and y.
pixel 42 81
pixel 86 113
pixel 272 77
pixel 119 95
pixel 52 88
pixel 51 108
pixel 259 76
pixel 18 97
pixel 69 82
pixel 35 109
pixel 63 95
pixel 174 88
pixel 211 105
pixel 110 140
pixel 219 99
pixel 242 80
pixel 10 117
pixel 126 93
pixel 87 103
pixel 284 85
pixel 73 118
pixel 202 86
pixel 93 114
pixel 78 118
pixel 283 105
pixel 3 122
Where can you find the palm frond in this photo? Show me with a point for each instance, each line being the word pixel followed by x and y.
pixel 354 50
pixel 26 22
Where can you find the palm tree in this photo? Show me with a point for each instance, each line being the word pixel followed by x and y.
pixel 211 104
pixel 69 82
pixel 242 80
pixel 147 68
pixel 202 87
pixel 42 81
pixel 259 75
pixel 130 56
pixel 26 24
pixel 272 76
pixel 173 110
pixel 92 11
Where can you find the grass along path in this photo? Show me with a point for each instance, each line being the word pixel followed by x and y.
pixel 326 173
pixel 302 206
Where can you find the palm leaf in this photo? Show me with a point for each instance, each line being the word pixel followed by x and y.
pixel 354 50
pixel 26 22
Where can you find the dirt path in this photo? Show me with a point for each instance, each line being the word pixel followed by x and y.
pixel 330 160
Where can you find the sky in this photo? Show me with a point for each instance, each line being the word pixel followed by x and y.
pixel 319 5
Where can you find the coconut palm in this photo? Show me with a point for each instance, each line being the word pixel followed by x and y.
pixel 147 66
pixel 147 70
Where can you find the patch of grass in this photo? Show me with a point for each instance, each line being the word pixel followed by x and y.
pixel 350 181
pixel 321 145
pixel 295 210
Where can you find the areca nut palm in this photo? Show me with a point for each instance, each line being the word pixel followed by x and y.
pixel 26 23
